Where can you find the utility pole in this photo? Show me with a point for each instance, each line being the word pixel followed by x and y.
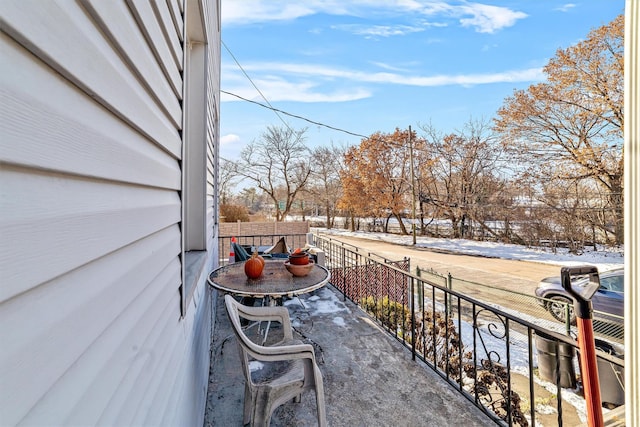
pixel 413 189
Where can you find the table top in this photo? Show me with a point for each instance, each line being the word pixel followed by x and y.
pixel 275 280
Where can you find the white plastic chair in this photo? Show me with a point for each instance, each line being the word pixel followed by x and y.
pixel 291 366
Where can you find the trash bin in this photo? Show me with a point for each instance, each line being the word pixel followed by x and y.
pixel 547 348
pixel 611 376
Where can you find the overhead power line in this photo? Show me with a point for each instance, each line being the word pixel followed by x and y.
pixel 270 107
pixel 278 112
pixel 256 87
pixel 359 135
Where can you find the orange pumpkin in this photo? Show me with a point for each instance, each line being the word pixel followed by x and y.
pixel 253 267
pixel 260 258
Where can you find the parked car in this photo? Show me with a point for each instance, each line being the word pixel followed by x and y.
pixel 609 299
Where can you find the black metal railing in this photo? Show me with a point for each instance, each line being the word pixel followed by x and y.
pixel 477 348
pixel 607 326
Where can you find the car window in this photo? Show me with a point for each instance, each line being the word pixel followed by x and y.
pixel 613 283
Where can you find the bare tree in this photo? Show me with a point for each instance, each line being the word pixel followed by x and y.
pixel 461 173
pixel 325 186
pixel 278 164
pixel 227 177
pixel 568 130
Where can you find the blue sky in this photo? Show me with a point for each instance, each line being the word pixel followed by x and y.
pixel 374 65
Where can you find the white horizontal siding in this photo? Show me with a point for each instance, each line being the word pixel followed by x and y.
pixel 154 403
pixel 116 20
pixel 70 223
pixel 191 388
pixel 138 384
pixel 71 325
pixel 64 37
pixel 68 131
pixel 169 30
pixel 143 12
pixel 90 217
pixel 191 391
pixel 136 357
pixel 212 25
pixel 176 17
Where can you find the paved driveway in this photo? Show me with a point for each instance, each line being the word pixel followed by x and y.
pixel 521 276
pixel 512 275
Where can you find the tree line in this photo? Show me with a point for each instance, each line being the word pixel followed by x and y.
pixel 548 167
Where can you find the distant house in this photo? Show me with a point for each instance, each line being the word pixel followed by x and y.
pixel 108 199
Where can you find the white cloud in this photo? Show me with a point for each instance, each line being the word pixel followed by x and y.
pixel 229 139
pixel 312 83
pixel 320 73
pixel 378 30
pixel 565 7
pixel 488 47
pixel 242 12
pixel 488 19
pixel 483 18
pixel 280 89
pixel 387 66
pixel 434 24
pixel 251 11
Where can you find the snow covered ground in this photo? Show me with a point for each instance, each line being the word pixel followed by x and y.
pixel 604 258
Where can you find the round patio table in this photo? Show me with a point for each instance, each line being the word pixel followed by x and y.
pixel 275 281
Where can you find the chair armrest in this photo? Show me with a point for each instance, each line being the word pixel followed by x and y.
pixel 283 352
pixel 264 313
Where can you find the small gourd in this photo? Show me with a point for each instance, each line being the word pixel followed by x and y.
pixel 253 267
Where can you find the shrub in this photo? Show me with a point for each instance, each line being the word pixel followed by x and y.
pixel 233 213
pixel 390 313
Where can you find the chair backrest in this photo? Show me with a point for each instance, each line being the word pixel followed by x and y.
pixel 280 247
pixel 243 340
pixel 240 253
pixel 237 311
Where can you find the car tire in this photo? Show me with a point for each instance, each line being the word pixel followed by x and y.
pixel 556 307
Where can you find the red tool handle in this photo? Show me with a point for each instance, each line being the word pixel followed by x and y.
pixel 589 368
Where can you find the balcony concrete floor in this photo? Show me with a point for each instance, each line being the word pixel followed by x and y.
pixel 369 377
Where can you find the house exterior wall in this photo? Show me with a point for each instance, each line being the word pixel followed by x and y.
pixel 96 324
pixel 632 211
